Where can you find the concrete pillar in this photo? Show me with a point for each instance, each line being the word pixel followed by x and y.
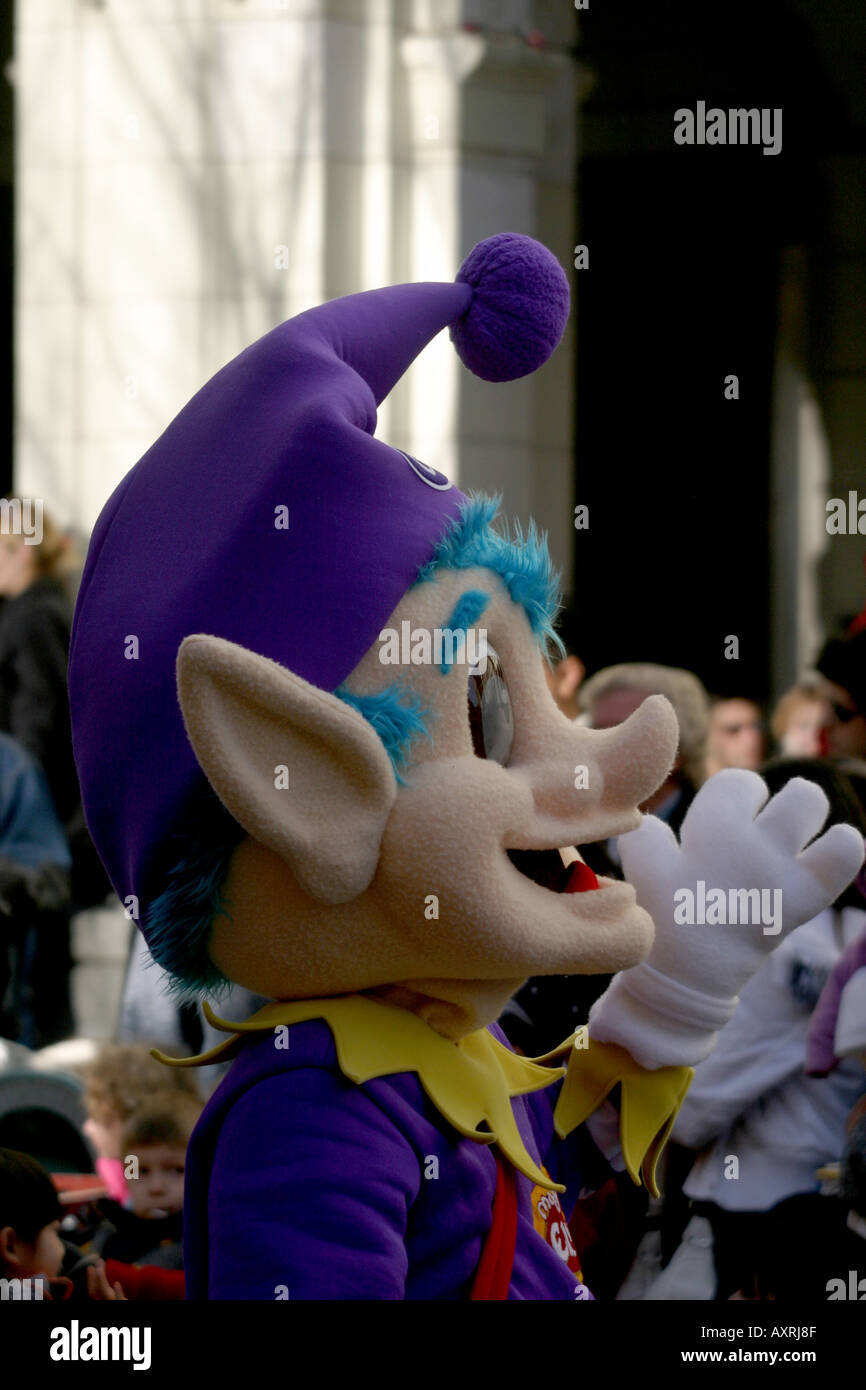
pixel 191 172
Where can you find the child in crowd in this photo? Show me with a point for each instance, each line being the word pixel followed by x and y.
pixel 799 718
pixel 147 1229
pixel 116 1083
pixel 32 1250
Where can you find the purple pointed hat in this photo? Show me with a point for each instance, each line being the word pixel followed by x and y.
pixel 194 539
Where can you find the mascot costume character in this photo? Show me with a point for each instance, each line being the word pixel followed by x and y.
pixel 298 781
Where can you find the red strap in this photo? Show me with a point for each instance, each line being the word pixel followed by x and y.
pixel 493 1275
pixel 149 1282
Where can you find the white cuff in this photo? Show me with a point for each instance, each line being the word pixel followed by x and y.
pixel 660 1021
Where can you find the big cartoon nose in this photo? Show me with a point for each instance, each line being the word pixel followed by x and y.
pixel 636 756
pixel 587 784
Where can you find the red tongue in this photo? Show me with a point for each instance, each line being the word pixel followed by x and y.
pixel 581 878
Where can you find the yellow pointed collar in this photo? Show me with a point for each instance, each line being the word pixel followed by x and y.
pixel 649 1103
pixel 471 1082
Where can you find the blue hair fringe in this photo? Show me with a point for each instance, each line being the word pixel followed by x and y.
pixel 397 715
pixel 178 923
pixel 522 561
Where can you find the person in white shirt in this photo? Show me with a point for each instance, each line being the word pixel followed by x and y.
pixel 766 1125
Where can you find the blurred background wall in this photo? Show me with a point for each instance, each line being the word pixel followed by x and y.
pixel 180 175
pixel 191 172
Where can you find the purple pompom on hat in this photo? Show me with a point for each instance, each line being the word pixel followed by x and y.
pixel 194 538
pixel 518 311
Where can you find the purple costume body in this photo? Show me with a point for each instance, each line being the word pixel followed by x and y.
pixel 302 1184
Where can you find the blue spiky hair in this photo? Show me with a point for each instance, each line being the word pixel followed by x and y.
pixel 179 921
pixel 521 559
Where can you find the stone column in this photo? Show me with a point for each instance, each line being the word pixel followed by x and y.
pixel 192 172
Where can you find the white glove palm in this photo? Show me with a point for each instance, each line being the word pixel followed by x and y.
pixel 667 1010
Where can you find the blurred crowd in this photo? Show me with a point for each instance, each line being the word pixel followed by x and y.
pixel 764 1195
pixel 768 1155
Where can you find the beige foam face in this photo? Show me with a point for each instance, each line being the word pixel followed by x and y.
pixel 351 882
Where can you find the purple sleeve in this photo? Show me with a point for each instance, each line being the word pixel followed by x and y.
pixel 820 1042
pixel 309 1196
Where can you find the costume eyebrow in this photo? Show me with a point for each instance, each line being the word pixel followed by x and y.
pixel 466 612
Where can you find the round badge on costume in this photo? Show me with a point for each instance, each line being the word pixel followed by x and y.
pixel 431 476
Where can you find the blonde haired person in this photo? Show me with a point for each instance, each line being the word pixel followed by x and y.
pixel 614 693
pixel 116 1083
pixel 799 718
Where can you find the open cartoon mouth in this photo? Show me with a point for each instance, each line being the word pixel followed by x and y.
pixel 545 867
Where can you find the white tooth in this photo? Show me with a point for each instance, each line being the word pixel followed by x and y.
pixel 569 855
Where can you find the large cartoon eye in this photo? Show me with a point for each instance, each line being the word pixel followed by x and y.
pixel 491 718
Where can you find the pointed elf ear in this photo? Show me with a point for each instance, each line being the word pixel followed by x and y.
pixel 302 772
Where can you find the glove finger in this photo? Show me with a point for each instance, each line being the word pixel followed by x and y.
pixel 834 859
pixel 795 815
pixel 644 850
pixel 730 798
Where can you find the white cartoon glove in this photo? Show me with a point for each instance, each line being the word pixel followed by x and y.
pixel 711 934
